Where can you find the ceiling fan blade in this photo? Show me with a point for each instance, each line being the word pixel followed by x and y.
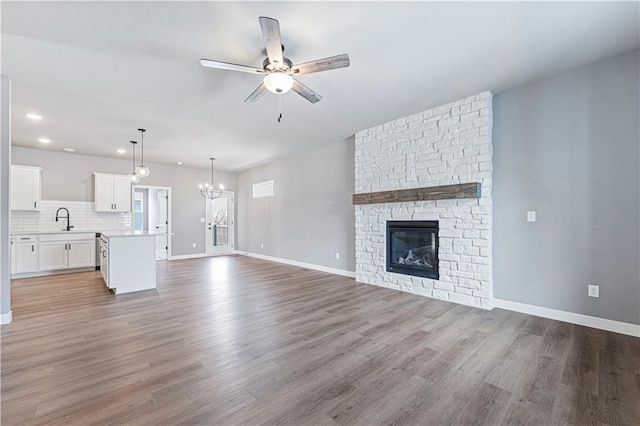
pixel 271 34
pixel 305 92
pixel 231 67
pixel 338 61
pixel 257 94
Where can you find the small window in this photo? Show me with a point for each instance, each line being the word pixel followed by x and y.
pixel 263 189
pixel 138 211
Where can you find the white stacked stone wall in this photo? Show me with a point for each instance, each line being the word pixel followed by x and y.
pixel 445 145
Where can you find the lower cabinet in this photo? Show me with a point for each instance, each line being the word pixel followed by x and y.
pixel 52 252
pixel 82 253
pixel 26 257
pixel 74 251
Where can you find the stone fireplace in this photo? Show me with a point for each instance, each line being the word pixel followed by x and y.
pixel 447 145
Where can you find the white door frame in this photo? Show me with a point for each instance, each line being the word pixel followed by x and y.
pixel 168 189
pixel 230 218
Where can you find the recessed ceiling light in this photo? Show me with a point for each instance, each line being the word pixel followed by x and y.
pixel 44 140
pixel 69 150
pixel 33 116
pixel 179 163
pixel 121 151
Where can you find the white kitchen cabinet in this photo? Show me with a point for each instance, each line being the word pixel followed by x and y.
pixel 128 261
pixel 67 251
pixel 25 188
pixel 112 193
pixel 82 253
pixel 26 257
pixel 53 255
pixel 14 259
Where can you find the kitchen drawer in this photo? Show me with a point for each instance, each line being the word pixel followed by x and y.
pixel 68 237
pixel 25 238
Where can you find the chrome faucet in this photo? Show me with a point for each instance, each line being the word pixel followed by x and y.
pixel 68 217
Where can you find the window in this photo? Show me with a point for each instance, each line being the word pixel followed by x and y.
pixel 263 189
pixel 138 220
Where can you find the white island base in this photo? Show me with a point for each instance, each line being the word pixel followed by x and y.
pixel 128 261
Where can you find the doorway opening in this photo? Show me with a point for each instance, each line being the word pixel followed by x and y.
pixel 220 230
pixel 152 214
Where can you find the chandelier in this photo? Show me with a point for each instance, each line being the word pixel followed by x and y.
pixel 207 190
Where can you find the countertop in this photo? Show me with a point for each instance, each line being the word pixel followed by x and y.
pixel 125 233
pixel 73 231
pixel 107 233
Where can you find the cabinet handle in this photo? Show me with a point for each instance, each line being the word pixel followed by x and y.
pixel 33 249
pixel 35 204
pixel 69 246
pixel 115 207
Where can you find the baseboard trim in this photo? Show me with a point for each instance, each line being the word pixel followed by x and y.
pixel 313 266
pixel 198 255
pixel 570 317
pixel 6 318
pixel 56 272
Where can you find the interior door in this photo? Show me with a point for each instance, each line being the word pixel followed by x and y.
pixel 162 217
pixel 220 224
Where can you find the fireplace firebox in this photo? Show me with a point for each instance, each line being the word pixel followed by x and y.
pixel 412 248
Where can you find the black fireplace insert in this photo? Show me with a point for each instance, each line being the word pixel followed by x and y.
pixel 412 248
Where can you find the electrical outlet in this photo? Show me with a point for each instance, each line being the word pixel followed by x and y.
pixel 193 245
pixel 202 220
pixel 594 291
pixel 337 256
pixel 531 216
pixel 261 245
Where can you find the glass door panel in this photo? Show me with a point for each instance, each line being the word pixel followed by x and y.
pixel 220 224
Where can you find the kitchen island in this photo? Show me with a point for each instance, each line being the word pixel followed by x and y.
pixel 127 260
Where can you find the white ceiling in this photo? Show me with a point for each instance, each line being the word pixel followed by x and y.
pixel 97 71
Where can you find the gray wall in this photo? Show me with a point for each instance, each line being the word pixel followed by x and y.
pixel 311 217
pixel 568 147
pixel 5 175
pixel 69 177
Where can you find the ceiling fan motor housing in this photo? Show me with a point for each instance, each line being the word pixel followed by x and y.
pixel 268 66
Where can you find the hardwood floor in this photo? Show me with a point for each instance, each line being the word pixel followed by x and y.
pixel 237 340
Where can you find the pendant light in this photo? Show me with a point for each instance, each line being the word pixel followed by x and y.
pixel 133 175
pixel 207 190
pixel 142 170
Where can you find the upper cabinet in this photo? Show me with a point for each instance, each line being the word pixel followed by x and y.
pixel 113 193
pixel 25 188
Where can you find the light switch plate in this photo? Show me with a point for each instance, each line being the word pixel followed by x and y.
pixel 531 216
pixel 202 219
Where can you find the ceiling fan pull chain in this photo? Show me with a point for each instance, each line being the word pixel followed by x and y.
pixel 279 108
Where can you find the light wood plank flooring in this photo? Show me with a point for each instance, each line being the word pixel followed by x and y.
pixel 235 340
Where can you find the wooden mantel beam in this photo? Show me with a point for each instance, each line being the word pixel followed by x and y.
pixel 444 192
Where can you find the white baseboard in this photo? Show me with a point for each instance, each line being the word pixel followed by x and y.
pixel 570 317
pixel 6 318
pixel 198 255
pixel 315 267
pixel 48 273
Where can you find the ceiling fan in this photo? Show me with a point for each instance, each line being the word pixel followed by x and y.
pixel 278 70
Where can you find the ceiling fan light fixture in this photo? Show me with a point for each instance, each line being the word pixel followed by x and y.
pixel 278 82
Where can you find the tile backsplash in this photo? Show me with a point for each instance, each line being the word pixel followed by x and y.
pixel 83 218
